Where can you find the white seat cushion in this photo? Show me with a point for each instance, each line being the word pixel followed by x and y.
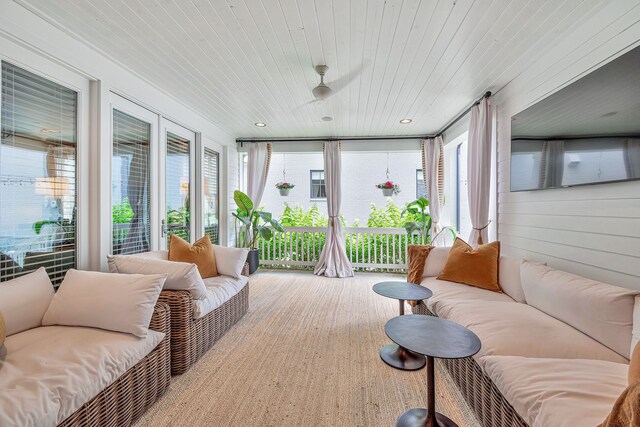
pixel 220 289
pixel 49 372
pixel 558 392
pixel 445 290
pixel 514 329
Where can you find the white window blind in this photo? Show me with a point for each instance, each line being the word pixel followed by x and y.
pixel 130 184
pixel 211 202
pixel 37 175
pixel 178 187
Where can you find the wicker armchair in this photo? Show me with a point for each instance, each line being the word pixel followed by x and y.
pixel 136 390
pixel 190 338
pixel 486 401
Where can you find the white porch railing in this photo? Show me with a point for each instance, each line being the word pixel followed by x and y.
pixel 368 249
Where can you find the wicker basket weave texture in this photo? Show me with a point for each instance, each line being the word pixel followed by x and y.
pixel 126 399
pixel 482 395
pixel 190 338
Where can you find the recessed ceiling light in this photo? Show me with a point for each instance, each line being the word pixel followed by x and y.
pixel 405 121
pixel 50 131
pixel 327 118
pixel 260 124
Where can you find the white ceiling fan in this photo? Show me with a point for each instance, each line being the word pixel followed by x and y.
pixel 325 90
pixel 322 91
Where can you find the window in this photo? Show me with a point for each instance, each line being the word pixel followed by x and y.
pixel 37 175
pixel 210 206
pixel 178 187
pixel 130 184
pixel 318 190
pixel 420 190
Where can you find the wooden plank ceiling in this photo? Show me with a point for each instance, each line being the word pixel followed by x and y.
pixel 238 62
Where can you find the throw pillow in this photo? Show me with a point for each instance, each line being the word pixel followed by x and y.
pixel 181 276
pixel 634 365
pixel 230 260
pixel 23 301
pixel 115 302
pixel 200 253
pixel 417 257
pixel 475 267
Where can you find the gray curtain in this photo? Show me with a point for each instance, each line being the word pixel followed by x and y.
pixel 552 164
pixel 631 150
pixel 137 239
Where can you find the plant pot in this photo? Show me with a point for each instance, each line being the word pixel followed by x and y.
pixel 387 192
pixel 284 191
pixel 253 258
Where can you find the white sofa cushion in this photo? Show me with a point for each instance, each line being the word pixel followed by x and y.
pixel 49 372
pixel 162 254
pixel 509 278
pixel 220 289
pixel 513 329
pixel 558 392
pixel 181 276
pixel 435 262
pixel 230 261
pixel 445 290
pixel 23 301
pixel 602 311
pixel 115 302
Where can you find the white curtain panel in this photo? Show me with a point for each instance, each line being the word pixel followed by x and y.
pixel 333 260
pixel 259 158
pixel 432 170
pixel 479 171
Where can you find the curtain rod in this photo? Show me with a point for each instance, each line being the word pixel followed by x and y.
pixel 333 138
pixel 241 141
pixel 464 113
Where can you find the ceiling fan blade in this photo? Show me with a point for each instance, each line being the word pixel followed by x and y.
pixel 340 83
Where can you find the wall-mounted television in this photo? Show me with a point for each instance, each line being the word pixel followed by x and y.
pixel 586 133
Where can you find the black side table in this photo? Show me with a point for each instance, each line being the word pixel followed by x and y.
pixel 393 354
pixel 433 337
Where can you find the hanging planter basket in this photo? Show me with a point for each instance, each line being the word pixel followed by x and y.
pixel 284 188
pixel 388 188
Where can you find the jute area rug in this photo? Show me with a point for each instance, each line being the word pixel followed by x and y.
pixel 306 354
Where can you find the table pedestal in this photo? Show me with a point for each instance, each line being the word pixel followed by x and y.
pixel 399 357
pixel 420 417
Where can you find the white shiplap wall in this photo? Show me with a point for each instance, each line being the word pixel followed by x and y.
pixel 593 230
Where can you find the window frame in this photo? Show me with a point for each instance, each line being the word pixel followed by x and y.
pixel 420 178
pixel 311 184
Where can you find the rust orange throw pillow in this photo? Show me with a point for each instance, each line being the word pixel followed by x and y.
pixel 475 267
pixel 200 254
pixel 417 257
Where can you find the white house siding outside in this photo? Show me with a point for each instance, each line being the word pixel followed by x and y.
pixel 361 171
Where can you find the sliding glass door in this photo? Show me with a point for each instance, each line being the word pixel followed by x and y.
pixel 37 175
pixel 179 168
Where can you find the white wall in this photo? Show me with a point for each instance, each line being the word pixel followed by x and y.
pixel 594 230
pixel 29 41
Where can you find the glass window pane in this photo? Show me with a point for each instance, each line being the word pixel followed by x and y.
pixel 178 187
pixel 210 201
pixel 130 184
pixel 37 175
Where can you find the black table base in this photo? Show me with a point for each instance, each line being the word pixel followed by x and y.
pixel 401 358
pixel 419 418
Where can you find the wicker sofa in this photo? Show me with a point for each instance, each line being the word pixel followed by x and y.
pixel 76 376
pixel 537 366
pixel 197 324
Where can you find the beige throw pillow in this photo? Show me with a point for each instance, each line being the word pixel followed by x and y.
pixel 115 302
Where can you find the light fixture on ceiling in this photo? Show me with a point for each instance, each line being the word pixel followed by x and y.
pixel 50 131
pixel 405 121
pixel 327 118
pixel 260 124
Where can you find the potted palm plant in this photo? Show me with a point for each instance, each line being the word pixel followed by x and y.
pixel 254 223
pixel 418 209
pixel 284 187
